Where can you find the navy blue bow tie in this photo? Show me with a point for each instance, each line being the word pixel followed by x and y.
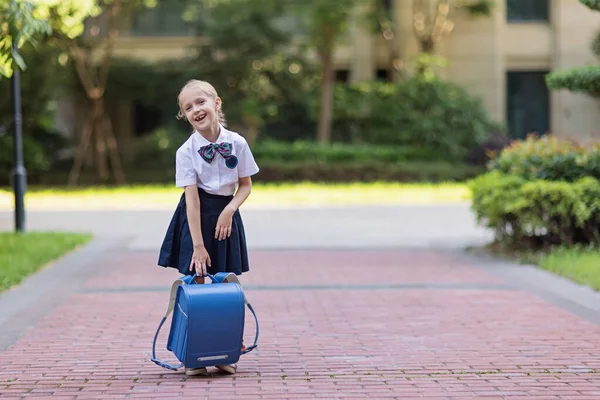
pixel 209 151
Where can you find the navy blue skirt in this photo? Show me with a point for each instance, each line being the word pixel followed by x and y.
pixel 229 255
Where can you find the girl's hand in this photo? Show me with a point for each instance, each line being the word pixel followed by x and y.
pixel 224 224
pixel 200 261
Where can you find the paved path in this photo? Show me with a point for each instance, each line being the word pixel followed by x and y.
pixel 441 226
pixel 403 322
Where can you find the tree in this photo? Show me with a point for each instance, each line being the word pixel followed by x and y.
pixel 385 25
pixel 247 54
pixel 325 22
pixel 21 22
pixel 584 79
pixel 432 22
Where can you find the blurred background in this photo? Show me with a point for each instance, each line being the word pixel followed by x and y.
pixel 351 90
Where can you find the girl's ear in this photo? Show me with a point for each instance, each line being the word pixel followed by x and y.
pixel 218 102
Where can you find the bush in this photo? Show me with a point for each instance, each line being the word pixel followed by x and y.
pixel 270 151
pixel 365 171
pixel 549 158
pixel 584 79
pixel 35 158
pixel 432 114
pixel 302 160
pixel 538 212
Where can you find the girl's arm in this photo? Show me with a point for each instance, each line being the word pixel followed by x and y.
pixel 200 258
pixel 224 222
pixel 244 189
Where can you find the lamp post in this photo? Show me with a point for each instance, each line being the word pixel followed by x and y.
pixel 19 174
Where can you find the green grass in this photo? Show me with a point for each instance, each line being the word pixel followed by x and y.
pixel 23 254
pixel 581 265
pixel 263 194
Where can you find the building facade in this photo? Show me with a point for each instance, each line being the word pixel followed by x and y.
pixel 501 58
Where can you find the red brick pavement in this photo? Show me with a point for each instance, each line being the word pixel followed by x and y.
pixel 324 342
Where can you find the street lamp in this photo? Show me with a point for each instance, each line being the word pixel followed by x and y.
pixel 19 174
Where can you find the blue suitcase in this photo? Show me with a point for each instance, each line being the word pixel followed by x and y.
pixel 208 322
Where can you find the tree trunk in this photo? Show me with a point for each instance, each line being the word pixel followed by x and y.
pixel 326 111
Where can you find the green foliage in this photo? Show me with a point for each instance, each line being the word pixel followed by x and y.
pixel 433 114
pixel 549 158
pixel 304 160
pixel 245 55
pixel 41 87
pixel 596 45
pixel 541 191
pixel 36 157
pixel 538 212
pixel 23 254
pixel 591 4
pixel 584 79
pixel 325 20
pixel 25 21
pixel 480 7
pixel 273 151
pixel 365 171
pixel 578 263
pixel 19 23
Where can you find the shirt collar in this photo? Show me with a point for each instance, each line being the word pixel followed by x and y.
pixel 201 140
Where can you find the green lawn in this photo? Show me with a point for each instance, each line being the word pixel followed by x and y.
pixel 23 254
pixel 263 194
pixel 579 264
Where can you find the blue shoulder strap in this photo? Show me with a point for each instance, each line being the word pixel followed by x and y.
pixel 170 307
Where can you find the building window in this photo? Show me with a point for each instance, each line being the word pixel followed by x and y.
pixel 166 19
pixel 145 119
pixel 527 10
pixel 342 75
pixel 528 103
pixel 383 75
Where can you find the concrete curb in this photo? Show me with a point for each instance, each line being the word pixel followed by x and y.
pixel 561 292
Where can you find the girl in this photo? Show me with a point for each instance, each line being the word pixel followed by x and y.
pixel 206 233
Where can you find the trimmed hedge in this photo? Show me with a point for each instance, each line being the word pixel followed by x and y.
pixel 366 171
pixel 585 79
pixel 541 192
pixel 538 212
pixel 549 158
pixel 268 151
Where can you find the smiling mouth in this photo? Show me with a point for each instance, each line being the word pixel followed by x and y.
pixel 200 118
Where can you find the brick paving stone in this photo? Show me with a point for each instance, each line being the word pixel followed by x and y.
pixel 329 329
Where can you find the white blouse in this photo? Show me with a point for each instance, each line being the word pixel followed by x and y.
pixel 214 177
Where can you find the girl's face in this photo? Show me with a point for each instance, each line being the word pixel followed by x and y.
pixel 199 108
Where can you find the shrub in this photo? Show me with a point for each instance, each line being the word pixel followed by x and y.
pixel 549 158
pixel 538 212
pixel 302 160
pixel 365 171
pixel 434 114
pixel 274 151
pixel 35 157
pixel 584 79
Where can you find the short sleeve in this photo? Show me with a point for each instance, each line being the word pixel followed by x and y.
pixel 246 164
pixel 185 174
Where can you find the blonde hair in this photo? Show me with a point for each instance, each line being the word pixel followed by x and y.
pixel 209 90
